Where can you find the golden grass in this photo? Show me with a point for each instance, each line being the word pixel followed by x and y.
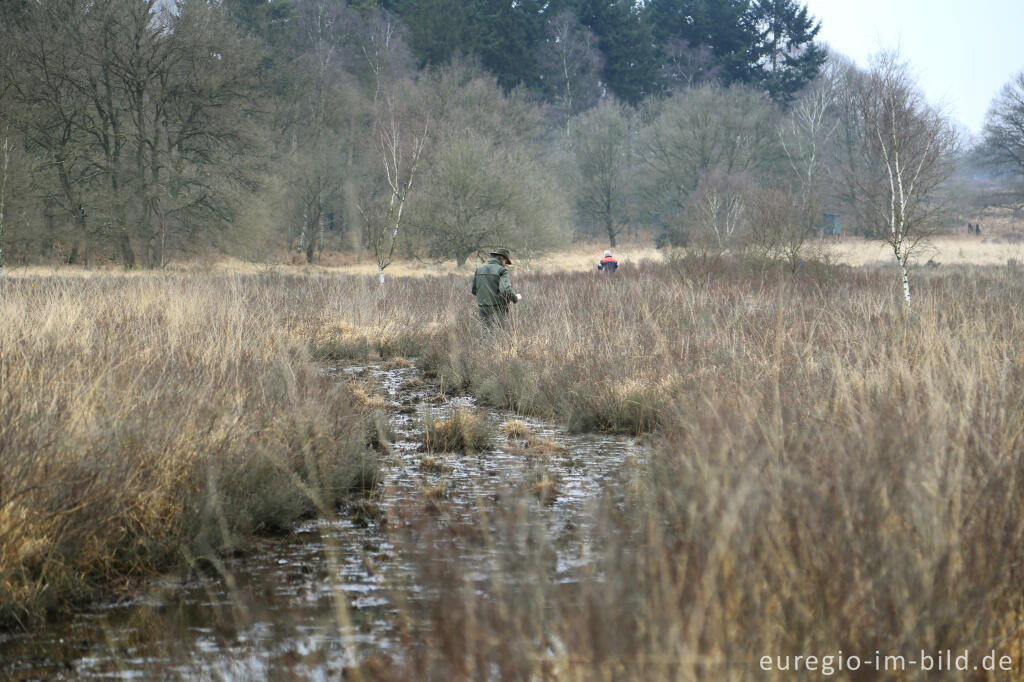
pixel 953 250
pixel 516 429
pixel 462 431
pixel 145 419
pixel 546 489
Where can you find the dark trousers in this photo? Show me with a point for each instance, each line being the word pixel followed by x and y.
pixel 492 314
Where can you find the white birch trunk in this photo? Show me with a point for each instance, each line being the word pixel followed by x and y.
pixel 906 284
pixel 3 195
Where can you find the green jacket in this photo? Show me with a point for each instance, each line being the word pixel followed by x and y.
pixel 492 286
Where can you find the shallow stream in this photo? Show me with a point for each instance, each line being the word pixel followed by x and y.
pixel 278 608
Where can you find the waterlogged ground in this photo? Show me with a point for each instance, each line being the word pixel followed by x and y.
pixel 336 591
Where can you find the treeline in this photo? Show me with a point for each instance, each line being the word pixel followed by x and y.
pixel 137 131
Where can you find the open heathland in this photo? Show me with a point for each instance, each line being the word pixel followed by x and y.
pixel 824 472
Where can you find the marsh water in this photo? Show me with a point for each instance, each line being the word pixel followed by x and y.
pixel 331 593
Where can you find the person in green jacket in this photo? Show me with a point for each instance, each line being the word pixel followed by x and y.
pixel 493 288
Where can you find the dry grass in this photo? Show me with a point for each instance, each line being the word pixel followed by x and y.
pixel 994 249
pixel 515 429
pixel 145 419
pixel 462 431
pixel 1002 240
pixel 826 475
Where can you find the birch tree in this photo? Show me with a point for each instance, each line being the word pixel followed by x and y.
pixel 570 65
pixel 6 148
pixel 401 138
pixel 806 134
pixel 912 145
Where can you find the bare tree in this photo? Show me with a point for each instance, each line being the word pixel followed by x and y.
pixel 478 195
pixel 571 66
pixel 1003 146
pixel 380 40
pixel 912 144
pixel 805 136
pixel 685 66
pixel 400 152
pixel 316 168
pixel 602 147
pixel 780 222
pixel 42 74
pixel 703 132
pixel 808 131
pixel 136 115
pixel 6 148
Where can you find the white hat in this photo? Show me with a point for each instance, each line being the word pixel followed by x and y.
pixel 607 253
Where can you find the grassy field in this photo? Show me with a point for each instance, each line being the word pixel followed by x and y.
pixel 826 473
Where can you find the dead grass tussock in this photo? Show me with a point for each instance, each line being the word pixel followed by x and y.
pixel 367 399
pixel 546 489
pixel 432 464
pixel 439 491
pixel 543 446
pixel 516 429
pixel 462 431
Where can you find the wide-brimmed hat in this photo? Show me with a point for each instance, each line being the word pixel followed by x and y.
pixel 503 253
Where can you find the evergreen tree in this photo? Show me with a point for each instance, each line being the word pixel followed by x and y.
pixel 723 26
pixel 630 63
pixel 507 37
pixel 788 57
pixel 263 19
pixel 438 29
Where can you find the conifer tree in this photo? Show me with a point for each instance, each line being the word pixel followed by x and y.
pixel 788 57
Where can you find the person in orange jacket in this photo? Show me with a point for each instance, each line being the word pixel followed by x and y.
pixel 608 264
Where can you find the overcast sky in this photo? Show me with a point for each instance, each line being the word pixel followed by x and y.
pixel 963 51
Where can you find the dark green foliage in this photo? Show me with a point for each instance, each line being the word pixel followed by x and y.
pixel 767 43
pixel 724 26
pixel 504 36
pixel 267 20
pixel 788 58
pixel 627 44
